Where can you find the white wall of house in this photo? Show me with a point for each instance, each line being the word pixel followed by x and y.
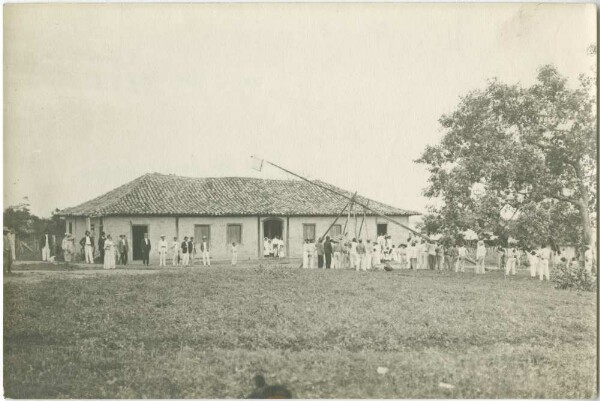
pixel 251 231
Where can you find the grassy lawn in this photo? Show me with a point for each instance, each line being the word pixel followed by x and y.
pixel 205 333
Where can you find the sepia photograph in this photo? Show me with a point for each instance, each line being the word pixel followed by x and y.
pixel 300 200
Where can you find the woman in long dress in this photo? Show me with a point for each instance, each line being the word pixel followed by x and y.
pixel 109 253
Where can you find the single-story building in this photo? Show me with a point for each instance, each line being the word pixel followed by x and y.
pixel 225 210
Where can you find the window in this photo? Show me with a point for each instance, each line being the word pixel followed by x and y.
pixel 70 227
pixel 381 229
pixel 335 230
pixel 234 233
pixel 308 231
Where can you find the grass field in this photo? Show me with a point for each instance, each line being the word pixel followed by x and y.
pixel 206 332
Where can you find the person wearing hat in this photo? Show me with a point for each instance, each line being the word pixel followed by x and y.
pixel 204 249
pixel 7 254
pixel 185 256
pixel 123 248
pixel 162 251
pixel 146 246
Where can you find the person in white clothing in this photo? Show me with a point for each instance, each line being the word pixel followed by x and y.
pixel 354 259
pixel 306 254
pixel 312 248
pixel 368 255
pixel 462 256
pixel 45 245
pixel 376 257
pixel 543 266
pixel 511 262
pixel 205 252
pixel 234 254
pixel 480 257
pixel 88 246
pixel 175 250
pixel 162 251
pixel 423 255
pixel 532 258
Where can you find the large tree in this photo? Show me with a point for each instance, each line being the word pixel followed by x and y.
pixel 525 152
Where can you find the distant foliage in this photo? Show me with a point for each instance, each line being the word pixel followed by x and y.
pixel 573 278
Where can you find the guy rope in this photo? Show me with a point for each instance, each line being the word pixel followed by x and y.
pixel 258 162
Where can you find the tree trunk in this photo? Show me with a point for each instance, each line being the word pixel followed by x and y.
pixel 584 206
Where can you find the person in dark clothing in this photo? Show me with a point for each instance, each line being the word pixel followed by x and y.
pixel 101 246
pixel 320 252
pixel 146 246
pixel 328 249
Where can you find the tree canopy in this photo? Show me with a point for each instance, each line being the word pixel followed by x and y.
pixel 518 161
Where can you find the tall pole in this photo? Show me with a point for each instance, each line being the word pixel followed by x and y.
pixel 336 219
pixel 349 198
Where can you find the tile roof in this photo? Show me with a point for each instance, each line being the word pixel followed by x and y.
pixel 161 194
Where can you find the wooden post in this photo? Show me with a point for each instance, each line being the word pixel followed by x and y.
pixel 287 236
pixel 259 239
pixel 334 221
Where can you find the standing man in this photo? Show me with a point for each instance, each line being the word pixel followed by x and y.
pixel 452 255
pixel 175 248
pixel 162 251
pixel 146 246
pixel 361 252
pixel 192 250
pixel 413 255
pixel 328 248
pixel 353 254
pixel 423 255
pixel 123 249
pixel 46 245
pixel 320 252
pixel 462 256
pixel 533 260
pixel 431 255
pixel 184 252
pixel 234 253
pixel 337 255
pixel 368 254
pixel 93 237
pixel 543 264
pixel 511 262
pixel 7 252
pixel 88 246
pixel 480 257
pixel 205 252
pixel 101 246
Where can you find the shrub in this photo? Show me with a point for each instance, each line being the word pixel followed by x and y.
pixel 575 278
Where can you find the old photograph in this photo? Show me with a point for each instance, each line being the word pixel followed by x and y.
pixel 300 200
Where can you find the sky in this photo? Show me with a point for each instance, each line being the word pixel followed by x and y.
pixel 97 95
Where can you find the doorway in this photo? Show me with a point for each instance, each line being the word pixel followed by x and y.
pixel 273 228
pixel 137 235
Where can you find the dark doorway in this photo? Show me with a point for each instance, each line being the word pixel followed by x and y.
pixel 137 234
pixel 273 228
pixel 381 229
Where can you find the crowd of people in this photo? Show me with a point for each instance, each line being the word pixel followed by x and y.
pixel 329 253
pixel 341 253
pixel 273 247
